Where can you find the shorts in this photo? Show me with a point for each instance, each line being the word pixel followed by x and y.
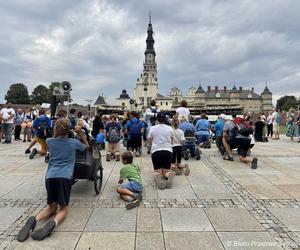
pixel 43 145
pixel 161 159
pixel 133 186
pixel 177 154
pixel 135 141
pixel 202 138
pixel 243 146
pixel 113 148
pixel 59 191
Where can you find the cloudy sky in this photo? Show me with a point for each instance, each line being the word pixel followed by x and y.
pixel 98 45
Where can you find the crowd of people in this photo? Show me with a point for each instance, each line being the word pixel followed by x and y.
pixel 166 138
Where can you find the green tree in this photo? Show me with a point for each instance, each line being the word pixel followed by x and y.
pixel 60 98
pixel 40 95
pixel 286 102
pixel 17 94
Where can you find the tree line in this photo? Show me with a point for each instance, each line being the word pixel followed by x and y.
pixel 18 94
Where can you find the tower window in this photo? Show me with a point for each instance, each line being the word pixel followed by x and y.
pixel 161 103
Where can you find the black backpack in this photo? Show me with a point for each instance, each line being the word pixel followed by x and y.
pixel 189 133
pixel 153 119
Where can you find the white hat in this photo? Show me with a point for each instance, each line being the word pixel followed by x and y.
pixel 222 116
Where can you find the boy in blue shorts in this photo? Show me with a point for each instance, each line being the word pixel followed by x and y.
pixel 59 177
pixel 131 190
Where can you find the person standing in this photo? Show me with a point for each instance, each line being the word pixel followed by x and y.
pixel 276 120
pixel 290 125
pixel 18 122
pixel 270 125
pixel 7 125
pixel 161 138
pixel 113 137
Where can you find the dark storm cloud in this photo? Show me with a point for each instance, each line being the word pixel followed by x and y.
pixel 99 45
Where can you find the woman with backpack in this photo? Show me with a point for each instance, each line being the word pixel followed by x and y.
pixel 113 137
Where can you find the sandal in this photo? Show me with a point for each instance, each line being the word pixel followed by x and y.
pixel 228 158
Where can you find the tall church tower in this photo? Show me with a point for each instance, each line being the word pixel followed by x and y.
pixel 146 87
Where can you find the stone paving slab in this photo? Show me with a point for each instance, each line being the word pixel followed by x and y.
pixel 77 219
pixel 148 220
pixel 268 191
pixel 185 219
pixel 212 192
pixel 192 240
pixel 248 241
pixel 107 240
pixel 290 217
pixel 292 190
pixel 149 241
pixel 112 219
pixel 9 216
pixel 58 240
pixel 232 219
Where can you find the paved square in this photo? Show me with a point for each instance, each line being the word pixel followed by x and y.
pixel 218 205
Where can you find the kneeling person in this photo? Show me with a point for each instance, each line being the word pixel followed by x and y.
pixel 131 190
pixel 59 176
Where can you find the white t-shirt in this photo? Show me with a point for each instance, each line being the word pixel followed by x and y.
pixel 5 113
pixel 178 137
pixel 162 136
pixel 269 119
pixel 182 111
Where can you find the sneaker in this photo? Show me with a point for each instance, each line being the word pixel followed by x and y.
pixel 27 151
pixel 117 157
pixel 44 231
pixel 33 153
pixel 169 180
pixel 138 197
pixel 161 184
pixel 176 170
pixel 24 232
pixel 186 170
pixel 254 163
pixel 133 204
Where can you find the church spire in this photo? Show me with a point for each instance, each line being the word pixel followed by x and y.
pixel 150 40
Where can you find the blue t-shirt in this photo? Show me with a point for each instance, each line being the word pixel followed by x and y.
pixel 62 157
pixel 202 127
pixel 134 127
pixel 37 122
pixel 219 127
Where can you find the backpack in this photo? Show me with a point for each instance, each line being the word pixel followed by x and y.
pixel 246 131
pixel 234 132
pixel 153 119
pixel 41 130
pixel 135 128
pixel 189 133
pixel 114 134
pixel 278 118
pixel 72 120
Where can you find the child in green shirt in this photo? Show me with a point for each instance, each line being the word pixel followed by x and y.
pixel 131 190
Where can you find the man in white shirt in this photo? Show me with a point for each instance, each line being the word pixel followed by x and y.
pixel 7 115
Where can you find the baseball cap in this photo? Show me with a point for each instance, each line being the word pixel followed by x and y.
pixel 161 115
